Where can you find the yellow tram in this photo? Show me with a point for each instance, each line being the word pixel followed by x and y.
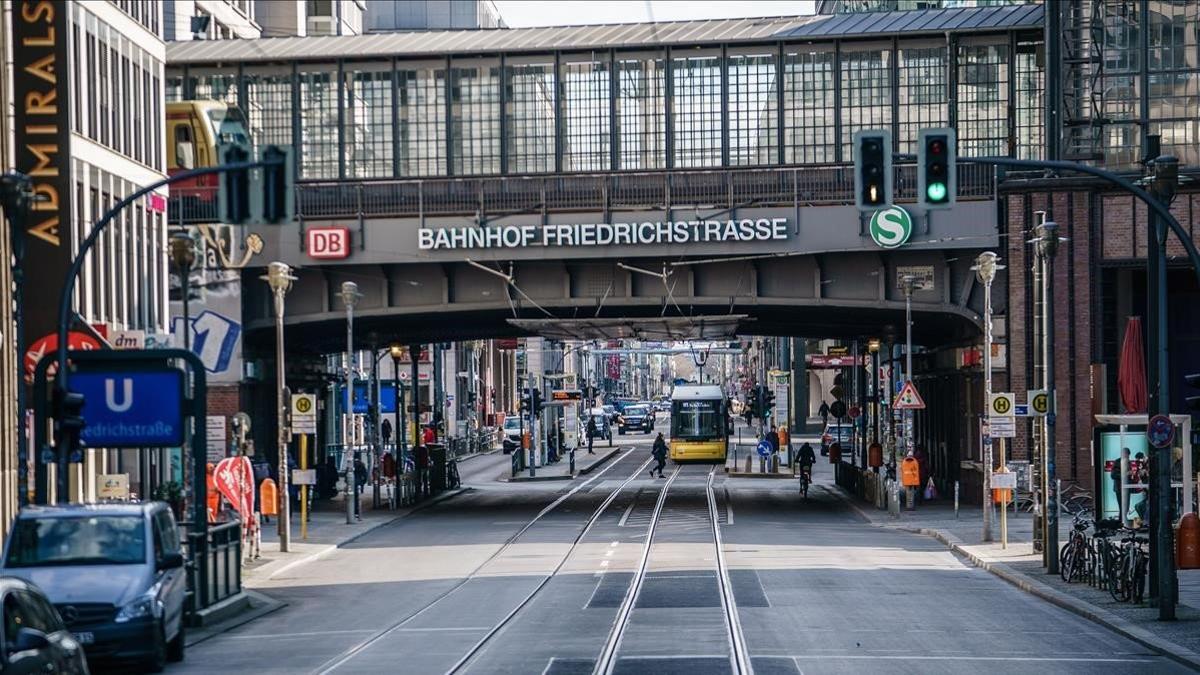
pixel 699 423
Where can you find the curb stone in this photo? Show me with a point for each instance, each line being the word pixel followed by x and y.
pixel 1036 588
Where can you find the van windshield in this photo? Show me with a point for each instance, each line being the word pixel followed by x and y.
pixel 77 540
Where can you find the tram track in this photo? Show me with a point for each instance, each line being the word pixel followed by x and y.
pixel 348 655
pixel 739 658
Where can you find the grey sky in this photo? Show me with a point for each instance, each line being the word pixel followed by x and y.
pixel 524 13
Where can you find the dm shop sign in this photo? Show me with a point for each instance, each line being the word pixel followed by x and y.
pixel 41 133
pixel 131 409
pixel 603 234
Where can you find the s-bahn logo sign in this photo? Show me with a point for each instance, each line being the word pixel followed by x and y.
pixel 891 227
pixel 603 234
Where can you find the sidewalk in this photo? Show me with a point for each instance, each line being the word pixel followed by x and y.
pixel 1020 566
pixel 561 470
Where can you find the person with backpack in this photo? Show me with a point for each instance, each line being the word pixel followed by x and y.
pixel 659 452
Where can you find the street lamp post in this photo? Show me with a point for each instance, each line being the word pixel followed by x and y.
pixel 396 351
pixel 908 284
pixel 1047 246
pixel 350 296
pixel 183 254
pixel 279 278
pixel 986 265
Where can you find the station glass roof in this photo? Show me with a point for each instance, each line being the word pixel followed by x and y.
pixel 616 36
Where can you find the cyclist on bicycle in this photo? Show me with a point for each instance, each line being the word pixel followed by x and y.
pixel 806 458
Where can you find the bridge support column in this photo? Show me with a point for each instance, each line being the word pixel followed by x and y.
pixel 799 388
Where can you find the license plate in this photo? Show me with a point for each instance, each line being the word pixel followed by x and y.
pixel 85 638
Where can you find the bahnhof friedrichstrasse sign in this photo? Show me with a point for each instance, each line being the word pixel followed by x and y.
pixel 603 234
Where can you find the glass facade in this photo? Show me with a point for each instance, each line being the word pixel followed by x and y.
pixel 693 108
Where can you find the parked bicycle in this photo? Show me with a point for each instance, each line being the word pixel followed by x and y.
pixel 1075 555
pixel 1127 576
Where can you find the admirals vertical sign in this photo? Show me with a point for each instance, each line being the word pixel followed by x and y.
pixel 41 90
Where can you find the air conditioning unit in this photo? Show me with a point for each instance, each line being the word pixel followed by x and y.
pixel 320 25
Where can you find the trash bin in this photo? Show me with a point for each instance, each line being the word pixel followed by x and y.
pixel 437 468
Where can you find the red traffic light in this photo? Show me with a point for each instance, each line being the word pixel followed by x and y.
pixel 937 147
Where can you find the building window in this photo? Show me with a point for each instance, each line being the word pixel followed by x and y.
pixel 983 100
pixel 530 117
pixel 586 116
pixel 641 103
pixel 269 108
pixel 587 119
pixel 216 86
pixel 753 109
pixel 422 121
pixel 923 102
pixel 475 119
pixel 809 107
pixel 1030 92
pixel 369 124
pixel 866 93
pixel 696 90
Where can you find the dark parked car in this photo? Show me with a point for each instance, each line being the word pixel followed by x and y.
pixel 113 571
pixel 636 418
pixel 34 639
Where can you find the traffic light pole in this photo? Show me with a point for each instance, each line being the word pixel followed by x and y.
pixel 66 437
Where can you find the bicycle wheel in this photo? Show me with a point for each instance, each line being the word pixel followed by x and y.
pixel 1071 559
pixel 1118 581
pixel 1137 591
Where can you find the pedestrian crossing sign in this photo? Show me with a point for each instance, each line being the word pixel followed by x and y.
pixel 908 398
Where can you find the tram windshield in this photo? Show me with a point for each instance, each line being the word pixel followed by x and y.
pixel 697 420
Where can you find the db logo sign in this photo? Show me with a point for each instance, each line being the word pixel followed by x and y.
pixel 328 243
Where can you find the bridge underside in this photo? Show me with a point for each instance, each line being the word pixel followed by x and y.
pixel 822 296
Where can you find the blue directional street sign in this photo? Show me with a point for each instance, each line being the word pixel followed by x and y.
pixel 764 448
pixel 131 409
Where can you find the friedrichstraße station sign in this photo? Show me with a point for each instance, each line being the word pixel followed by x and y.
pixel 603 234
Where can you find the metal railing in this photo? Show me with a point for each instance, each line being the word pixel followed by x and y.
pixel 214 567
pixel 487 196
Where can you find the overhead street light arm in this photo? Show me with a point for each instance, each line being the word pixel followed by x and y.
pixel 1151 203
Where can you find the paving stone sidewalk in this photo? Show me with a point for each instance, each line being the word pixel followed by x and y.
pixel 1019 565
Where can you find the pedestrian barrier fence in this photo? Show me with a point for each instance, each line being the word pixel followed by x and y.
pixel 214 567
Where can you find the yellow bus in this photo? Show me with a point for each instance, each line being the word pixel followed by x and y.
pixel 699 423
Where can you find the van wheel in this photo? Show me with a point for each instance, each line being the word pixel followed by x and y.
pixel 158 657
pixel 175 647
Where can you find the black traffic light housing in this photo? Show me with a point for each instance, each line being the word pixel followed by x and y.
pixel 1193 402
pixel 752 400
pixel 936 164
pixel 768 400
pixel 525 400
pixel 233 193
pixel 872 150
pixel 278 184
pixel 68 411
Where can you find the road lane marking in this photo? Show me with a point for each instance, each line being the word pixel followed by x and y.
pixel 628 510
pixel 920 657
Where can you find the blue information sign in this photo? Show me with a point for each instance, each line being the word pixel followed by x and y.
pixel 764 448
pixel 131 409
pixel 387 397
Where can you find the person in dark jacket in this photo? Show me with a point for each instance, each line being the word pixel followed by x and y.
pixel 659 452
pixel 591 433
pixel 360 482
pixel 773 439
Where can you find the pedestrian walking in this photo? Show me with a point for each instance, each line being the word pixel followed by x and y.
pixel 659 452
pixel 773 439
pixel 385 430
pixel 823 411
pixel 591 432
pixel 360 482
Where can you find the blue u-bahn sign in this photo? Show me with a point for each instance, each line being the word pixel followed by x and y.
pixel 131 408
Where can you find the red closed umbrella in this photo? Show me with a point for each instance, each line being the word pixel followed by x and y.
pixel 1131 369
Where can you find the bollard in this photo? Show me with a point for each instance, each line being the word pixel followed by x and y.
pixel 956 500
pixel 748 463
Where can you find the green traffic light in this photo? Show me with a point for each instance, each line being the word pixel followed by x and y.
pixel 936 192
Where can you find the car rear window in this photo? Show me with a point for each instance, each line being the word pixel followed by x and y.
pixel 77 540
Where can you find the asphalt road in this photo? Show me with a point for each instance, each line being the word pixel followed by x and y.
pixel 816 589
